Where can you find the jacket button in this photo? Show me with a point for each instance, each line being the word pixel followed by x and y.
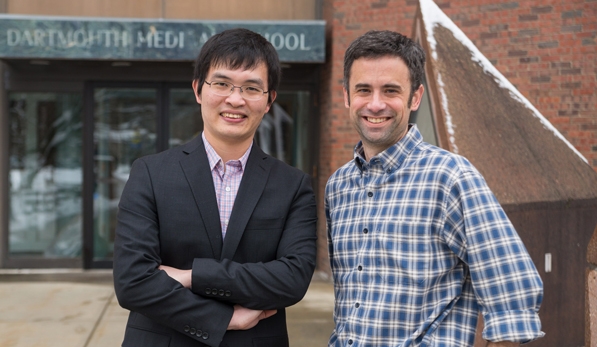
pixel 199 332
pixel 192 331
pixel 221 292
pixel 207 291
pixel 186 328
pixel 205 336
pixel 214 291
pixel 228 293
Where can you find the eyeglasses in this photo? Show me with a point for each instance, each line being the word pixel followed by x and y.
pixel 225 89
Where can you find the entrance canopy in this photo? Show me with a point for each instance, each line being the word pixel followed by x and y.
pixel 75 38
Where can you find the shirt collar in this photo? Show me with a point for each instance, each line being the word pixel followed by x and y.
pixel 215 159
pixel 393 157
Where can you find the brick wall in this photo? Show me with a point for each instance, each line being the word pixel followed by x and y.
pixel 346 20
pixel 546 48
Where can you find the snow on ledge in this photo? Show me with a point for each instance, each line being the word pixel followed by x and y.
pixel 434 16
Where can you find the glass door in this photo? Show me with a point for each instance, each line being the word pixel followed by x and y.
pixel 124 128
pixel 184 115
pixel 45 175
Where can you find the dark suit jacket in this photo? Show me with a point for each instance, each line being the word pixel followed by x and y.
pixel 168 214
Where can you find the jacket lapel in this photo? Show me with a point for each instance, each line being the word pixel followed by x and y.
pixel 198 174
pixel 251 187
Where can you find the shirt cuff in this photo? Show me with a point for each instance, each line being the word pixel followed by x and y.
pixel 514 326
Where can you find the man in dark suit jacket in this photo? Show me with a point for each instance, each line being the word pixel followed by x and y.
pixel 215 238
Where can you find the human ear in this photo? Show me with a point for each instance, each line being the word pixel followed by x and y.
pixel 270 102
pixel 415 101
pixel 346 98
pixel 197 91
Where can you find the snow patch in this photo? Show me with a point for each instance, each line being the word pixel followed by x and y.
pixel 449 125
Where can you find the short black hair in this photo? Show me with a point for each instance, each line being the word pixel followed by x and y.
pixel 239 48
pixel 381 43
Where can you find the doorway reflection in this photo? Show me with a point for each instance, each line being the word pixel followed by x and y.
pixel 124 130
pixel 45 175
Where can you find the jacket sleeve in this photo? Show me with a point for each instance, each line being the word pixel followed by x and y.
pixel 506 283
pixel 140 286
pixel 273 284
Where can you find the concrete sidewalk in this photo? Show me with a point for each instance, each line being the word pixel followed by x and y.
pixel 79 309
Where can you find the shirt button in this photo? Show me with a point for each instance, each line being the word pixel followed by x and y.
pixel 227 189
pixel 357 305
pixel 365 230
pixel 370 194
pixel 360 268
pixel 350 342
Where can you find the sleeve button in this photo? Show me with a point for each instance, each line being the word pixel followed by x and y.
pixel 186 328
pixel 207 291
pixel 192 331
pixel 228 293
pixel 205 335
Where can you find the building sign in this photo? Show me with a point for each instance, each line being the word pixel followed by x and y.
pixel 115 39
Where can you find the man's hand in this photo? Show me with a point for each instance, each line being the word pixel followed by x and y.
pixel 244 318
pixel 182 276
pixel 503 344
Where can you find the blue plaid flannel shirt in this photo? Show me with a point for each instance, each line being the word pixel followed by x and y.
pixel 419 245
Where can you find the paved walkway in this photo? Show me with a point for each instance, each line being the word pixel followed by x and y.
pixel 79 309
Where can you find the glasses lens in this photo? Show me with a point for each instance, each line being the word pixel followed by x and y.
pixel 252 93
pixel 221 88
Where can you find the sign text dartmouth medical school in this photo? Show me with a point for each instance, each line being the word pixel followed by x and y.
pixel 145 40
pixel 88 38
pixel 109 38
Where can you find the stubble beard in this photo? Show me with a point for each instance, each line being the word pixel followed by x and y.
pixel 381 138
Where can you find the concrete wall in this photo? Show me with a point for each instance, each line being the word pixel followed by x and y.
pixel 171 9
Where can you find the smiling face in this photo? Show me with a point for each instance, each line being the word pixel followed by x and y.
pixel 378 101
pixel 232 120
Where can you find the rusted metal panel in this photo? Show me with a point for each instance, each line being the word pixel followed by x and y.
pixel 562 229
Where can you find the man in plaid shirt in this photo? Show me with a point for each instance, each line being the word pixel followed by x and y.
pixel 418 243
